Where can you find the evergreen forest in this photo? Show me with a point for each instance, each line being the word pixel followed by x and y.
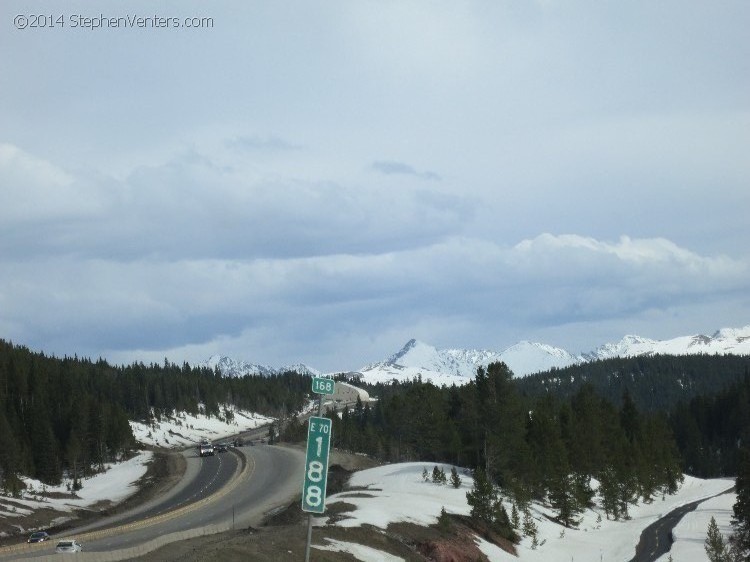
pixel 632 425
pixel 70 416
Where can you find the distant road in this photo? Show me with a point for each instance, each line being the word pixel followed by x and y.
pixel 211 493
pixel 656 539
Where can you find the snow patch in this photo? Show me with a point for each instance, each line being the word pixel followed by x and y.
pixel 398 493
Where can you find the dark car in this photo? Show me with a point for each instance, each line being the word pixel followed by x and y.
pixel 39 536
pixel 222 447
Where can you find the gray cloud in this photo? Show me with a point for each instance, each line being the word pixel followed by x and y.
pixel 228 193
pixel 195 306
pixel 191 207
pixel 269 143
pixel 389 167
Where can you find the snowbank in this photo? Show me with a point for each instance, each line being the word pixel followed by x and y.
pixel 397 492
pixel 113 485
pixel 690 533
pixel 183 429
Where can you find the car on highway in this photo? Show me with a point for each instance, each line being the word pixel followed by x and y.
pixel 222 448
pixel 39 536
pixel 206 450
pixel 68 546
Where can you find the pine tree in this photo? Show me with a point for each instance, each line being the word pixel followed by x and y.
pixel 436 475
pixel 529 526
pixel 455 478
pixel 481 498
pixel 741 509
pixel 500 520
pixel 425 475
pixel 444 521
pixel 715 547
pixel 608 490
pixel 515 518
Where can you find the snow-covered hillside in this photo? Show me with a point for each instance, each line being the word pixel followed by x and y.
pixel 182 429
pixel 397 492
pixel 460 365
pixel 111 486
pixel 734 341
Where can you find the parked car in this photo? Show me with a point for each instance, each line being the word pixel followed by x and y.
pixel 39 536
pixel 68 546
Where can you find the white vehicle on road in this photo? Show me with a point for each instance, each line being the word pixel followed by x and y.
pixel 68 546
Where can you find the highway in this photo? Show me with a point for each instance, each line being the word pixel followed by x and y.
pixel 237 488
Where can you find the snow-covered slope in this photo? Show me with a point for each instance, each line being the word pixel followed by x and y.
pixel 458 362
pixel 458 366
pixel 734 341
pixel 233 368
pixel 530 357
pixel 396 493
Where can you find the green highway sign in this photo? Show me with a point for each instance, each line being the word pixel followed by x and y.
pixel 322 385
pixel 316 465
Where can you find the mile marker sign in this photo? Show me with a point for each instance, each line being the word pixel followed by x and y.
pixel 322 385
pixel 316 465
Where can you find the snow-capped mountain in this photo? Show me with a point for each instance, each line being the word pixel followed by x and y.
pixel 458 366
pixel 449 366
pixel 734 341
pixel 233 368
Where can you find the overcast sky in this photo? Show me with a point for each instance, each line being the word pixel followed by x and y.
pixel 319 182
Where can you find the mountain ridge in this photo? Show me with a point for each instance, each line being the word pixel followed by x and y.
pixel 458 366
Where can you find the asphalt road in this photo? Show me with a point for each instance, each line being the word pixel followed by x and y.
pixel 656 539
pixel 213 491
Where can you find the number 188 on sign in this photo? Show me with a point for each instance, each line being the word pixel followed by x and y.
pixel 316 465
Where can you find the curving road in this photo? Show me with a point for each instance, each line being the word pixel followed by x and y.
pixel 237 488
pixel 656 539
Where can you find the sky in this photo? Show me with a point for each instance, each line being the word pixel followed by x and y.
pixel 320 182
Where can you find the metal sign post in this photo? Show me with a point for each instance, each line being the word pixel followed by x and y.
pixel 316 460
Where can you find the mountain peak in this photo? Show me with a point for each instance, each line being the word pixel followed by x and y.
pixel 229 367
pixel 408 348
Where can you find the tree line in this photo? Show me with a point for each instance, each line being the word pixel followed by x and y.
pixel 551 435
pixel 68 416
pixel 542 448
pixel 656 383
